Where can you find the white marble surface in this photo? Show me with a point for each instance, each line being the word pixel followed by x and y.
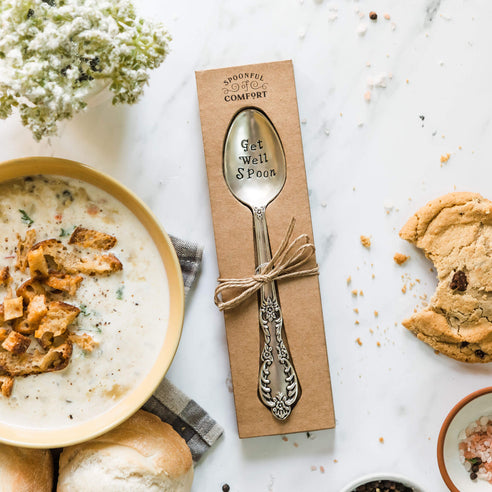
pixel 431 59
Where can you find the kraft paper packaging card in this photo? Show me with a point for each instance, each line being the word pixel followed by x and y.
pixel 222 93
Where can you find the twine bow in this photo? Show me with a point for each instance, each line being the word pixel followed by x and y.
pixel 284 264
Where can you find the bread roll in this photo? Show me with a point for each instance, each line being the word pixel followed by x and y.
pixel 143 454
pixel 25 470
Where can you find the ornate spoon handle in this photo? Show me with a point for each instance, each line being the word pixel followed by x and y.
pixel 278 386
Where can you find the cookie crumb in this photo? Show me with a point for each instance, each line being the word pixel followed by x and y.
pixel 361 293
pixel 358 340
pixel 285 438
pixel 355 292
pixel 436 352
pixel 349 279
pixel 322 469
pixel 387 16
pixel 296 445
pixel 381 440
pixel 378 344
pixel 356 322
pixel 313 468
pixel 367 96
pixel 365 241
pixel 356 311
pixel 404 289
pixel 376 314
pixel 400 258
pixel 335 461
pixel 445 158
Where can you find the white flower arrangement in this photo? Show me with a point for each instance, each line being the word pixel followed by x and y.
pixel 54 53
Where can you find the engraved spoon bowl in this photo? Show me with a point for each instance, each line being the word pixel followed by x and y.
pixel 255 170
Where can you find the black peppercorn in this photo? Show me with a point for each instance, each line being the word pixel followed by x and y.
pixel 225 487
pixel 373 15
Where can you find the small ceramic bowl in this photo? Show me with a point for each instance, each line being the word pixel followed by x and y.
pixel 468 410
pixel 382 476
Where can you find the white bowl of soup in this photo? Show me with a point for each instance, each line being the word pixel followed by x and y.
pixel 125 324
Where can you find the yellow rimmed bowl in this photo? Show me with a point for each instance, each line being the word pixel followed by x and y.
pixel 78 432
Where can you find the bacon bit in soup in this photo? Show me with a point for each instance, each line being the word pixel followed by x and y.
pixel 92 209
pixel 475 448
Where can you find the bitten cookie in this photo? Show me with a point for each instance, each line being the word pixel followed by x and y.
pixel 455 233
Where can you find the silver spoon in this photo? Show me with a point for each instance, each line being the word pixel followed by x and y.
pixel 255 172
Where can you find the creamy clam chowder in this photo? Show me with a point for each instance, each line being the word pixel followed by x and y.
pixel 125 312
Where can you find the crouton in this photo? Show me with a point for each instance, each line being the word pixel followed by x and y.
pixel 5 277
pixel 30 288
pixel 13 308
pixel 72 263
pixel 16 343
pixel 98 265
pixel 23 247
pixel 37 263
pixel 36 309
pixel 6 384
pixel 55 322
pixel 88 238
pixel 56 359
pixel 3 334
pixel 21 325
pixel 64 282
pixel 84 341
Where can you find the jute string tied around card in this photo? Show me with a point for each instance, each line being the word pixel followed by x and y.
pixel 284 264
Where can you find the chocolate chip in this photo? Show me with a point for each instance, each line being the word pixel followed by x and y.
pixel 480 353
pixel 459 281
pixel 373 15
pixel 464 344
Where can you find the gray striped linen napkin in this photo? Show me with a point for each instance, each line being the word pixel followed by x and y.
pixel 196 427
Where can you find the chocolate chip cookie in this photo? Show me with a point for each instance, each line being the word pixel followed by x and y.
pixel 455 233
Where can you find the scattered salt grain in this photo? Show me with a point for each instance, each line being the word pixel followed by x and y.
pixel 362 29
